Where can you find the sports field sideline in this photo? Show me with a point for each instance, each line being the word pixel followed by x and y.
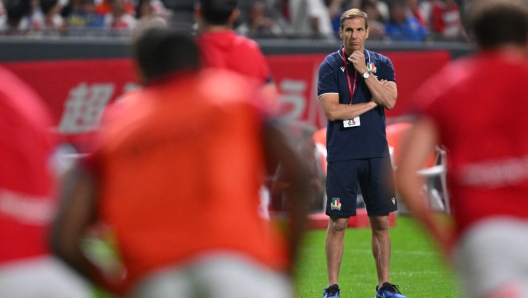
pixel 416 265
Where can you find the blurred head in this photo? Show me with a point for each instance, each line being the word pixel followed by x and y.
pixel 118 7
pixel 16 10
pixel 257 10
pixel 397 12
pixel 49 6
pixel 162 51
pixel 496 23
pixel 87 6
pixel 143 9
pixel 354 30
pixel 217 12
pixel 370 8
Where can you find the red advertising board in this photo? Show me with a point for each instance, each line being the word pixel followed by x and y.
pixel 77 91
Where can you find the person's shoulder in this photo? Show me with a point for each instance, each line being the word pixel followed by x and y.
pixel 224 85
pixel 246 45
pixel 226 91
pixel 17 96
pixel 332 59
pixel 375 56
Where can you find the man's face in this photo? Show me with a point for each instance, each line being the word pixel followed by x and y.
pixel 354 34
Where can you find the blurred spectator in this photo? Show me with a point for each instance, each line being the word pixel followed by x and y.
pixel 403 27
pixel 446 20
pixel 151 8
pixel 335 10
pixel 383 9
pixel 259 24
pixel 105 6
pixel 28 201
pixel 417 10
pixel 83 15
pixel 35 16
pixel 118 18
pixel 2 12
pixel 154 157
pixel 221 47
pixel 52 18
pixel 376 26
pixel 17 20
pixel 310 19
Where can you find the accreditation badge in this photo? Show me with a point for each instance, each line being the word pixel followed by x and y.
pixel 351 122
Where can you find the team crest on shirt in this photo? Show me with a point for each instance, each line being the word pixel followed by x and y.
pixel 371 67
pixel 336 204
pixel 342 69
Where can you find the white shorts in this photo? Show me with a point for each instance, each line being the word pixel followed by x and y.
pixel 41 277
pixel 492 259
pixel 216 275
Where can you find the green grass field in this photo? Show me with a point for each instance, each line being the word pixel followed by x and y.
pixel 416 265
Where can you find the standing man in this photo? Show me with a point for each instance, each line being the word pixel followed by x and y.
pixel 476 107
pixel 355 87
pixel 176 176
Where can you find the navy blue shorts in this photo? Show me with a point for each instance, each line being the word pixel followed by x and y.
pixel 375 178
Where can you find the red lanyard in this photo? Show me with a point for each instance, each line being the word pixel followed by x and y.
pixel 351 88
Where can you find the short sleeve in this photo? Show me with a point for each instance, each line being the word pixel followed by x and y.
pixel 386 70
pixel 327 81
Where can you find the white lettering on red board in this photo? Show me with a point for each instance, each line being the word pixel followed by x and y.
pixel 84 107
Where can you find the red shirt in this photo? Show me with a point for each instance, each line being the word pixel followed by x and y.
pixel 27 203
pixel 181 164
pixel 479 105
pixel 228 50
pixel 446 19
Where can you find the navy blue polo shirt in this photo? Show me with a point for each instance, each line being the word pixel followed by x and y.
pixel 369 139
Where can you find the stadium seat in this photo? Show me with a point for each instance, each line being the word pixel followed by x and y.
pixel 434 170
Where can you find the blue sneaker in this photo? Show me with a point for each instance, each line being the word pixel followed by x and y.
pixel 388 290
pixel 331 292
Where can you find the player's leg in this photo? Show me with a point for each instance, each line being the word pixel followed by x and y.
pixel 491 259
pixel 43 277
pixel 377 185
pixel 334 246
pixel 341 189
pixel 171 281
pixel 381 246
pixel 231 275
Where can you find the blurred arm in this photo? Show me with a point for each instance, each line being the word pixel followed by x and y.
pixel 295 171
pixel 76 214
pixel 414 154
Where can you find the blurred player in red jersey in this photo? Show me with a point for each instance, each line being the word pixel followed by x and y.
pixel 222 47
pixel 476 107
pixel 176 175
pixel 27 198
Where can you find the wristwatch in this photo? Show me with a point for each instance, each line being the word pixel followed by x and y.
pixel 366 74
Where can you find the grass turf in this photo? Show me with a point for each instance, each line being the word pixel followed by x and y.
pixel 416 265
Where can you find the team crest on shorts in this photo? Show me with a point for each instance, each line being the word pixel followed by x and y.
pixel 336 204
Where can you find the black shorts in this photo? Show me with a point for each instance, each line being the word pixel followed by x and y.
pixel 375 178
